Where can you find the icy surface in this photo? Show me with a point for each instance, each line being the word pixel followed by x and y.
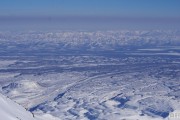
pixel 102 75
pixel 10 110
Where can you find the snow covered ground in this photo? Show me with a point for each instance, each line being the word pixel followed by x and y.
pixel 114 75
pixel 10 110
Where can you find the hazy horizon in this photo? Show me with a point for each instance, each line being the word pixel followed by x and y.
pixel 89 15
pixel 86 23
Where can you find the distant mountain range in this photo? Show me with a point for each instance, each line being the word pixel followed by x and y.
pixel 87 40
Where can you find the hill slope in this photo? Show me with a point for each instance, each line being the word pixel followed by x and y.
pixel 12 111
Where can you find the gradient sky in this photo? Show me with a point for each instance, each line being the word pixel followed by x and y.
pixel 86 11
pixel 153 8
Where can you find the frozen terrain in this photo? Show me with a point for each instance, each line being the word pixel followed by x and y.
pixel 101 75
pixel 10 110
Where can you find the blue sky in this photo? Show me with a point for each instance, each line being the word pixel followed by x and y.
pixel 89 11
pixel 152 8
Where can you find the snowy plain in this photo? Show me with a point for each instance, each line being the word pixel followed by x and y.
pixel 101 75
